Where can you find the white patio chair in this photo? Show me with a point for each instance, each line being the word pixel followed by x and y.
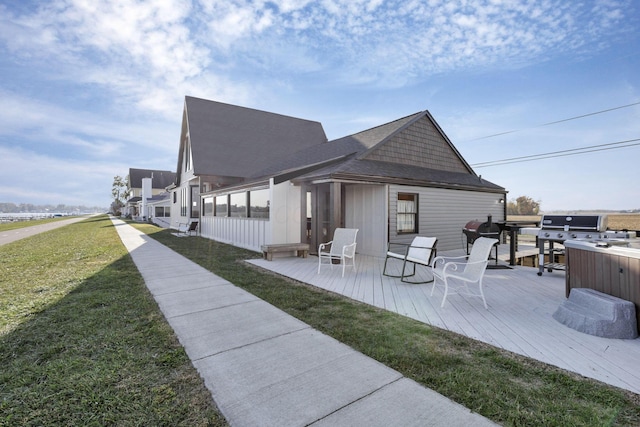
pixel 343 248
pixel 185 229
pixel 420 252
pixel 446 269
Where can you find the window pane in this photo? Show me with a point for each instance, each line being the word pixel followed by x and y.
pixel 239 205
pixel 221 206
pixel 407 213
pixel 259 200
pixel 208 206
pixel 195 201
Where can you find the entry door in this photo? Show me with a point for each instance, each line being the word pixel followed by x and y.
pixel 318 216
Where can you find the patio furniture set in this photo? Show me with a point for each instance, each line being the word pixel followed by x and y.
pixel 455 274
pixel 591 312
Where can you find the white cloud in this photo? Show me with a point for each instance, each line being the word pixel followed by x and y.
pixel 138 49
pixel 27 176
pixel 83 133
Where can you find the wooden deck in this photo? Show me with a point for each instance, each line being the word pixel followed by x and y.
pixel 519 318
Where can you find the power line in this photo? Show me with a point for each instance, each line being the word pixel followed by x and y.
pixel 556 121
pixel 562 153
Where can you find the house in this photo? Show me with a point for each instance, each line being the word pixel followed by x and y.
pixel 152 184
pixel 221 145
pixel 392 182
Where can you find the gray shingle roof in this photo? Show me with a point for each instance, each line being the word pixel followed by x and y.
pixel 376 171
pixel 357 143
pixel 343 158
pixel 350 153
pixel 161 179
pixel 228 140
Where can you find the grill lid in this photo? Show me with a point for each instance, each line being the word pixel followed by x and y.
pixel 477 227
pixel 574 222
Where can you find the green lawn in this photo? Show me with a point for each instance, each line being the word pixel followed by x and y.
pixel 507 388
pixel 82 342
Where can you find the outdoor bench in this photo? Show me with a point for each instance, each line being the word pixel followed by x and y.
pixel 300 249
pixel 596 313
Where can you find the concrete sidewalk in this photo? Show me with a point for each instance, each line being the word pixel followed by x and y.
pixel 9 236
pixel 265 367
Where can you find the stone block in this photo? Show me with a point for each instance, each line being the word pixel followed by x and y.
pixel 595 313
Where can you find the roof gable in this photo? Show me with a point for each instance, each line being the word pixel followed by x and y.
pixel 371 138
pixel 233 141
pixel 420 142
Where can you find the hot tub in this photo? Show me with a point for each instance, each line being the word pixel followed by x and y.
pixel 610 269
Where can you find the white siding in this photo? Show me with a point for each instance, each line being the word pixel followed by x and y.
pixel 175 209
pixel 283 225
pixel 285 216
pixel 365 209
pixel 187 179
pixel 443 213
pixel 242 232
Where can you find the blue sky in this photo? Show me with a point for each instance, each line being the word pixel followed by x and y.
pixel 90 88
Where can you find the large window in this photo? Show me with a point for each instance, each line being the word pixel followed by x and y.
pixel 259 204
pixel 407 215
pixel 207 206
pixel 184 201
pixel 195 201
pixel 221 206
pixel 162 211
pixel 238 205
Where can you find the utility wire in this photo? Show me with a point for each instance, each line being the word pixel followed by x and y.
pixel 562 153
pixel 556 122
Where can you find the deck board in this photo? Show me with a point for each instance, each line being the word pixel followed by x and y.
pixel 519 318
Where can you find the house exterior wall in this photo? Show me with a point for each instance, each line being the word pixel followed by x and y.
pixel 186 181
pixel 285 217
pixel 137 192
pixel 245 233
pixel 443 213
pixel 283 226
pixel 366 210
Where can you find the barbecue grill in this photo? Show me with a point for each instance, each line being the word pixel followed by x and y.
pixel 475 229
pixel 560 228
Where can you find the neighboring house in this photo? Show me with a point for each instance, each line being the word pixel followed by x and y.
pixel 223 145
pixel 159 181
pixel 159 209
pixel 393 182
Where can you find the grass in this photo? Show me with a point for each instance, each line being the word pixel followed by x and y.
pixel 615 221
pixel 504 387
pixel 82 342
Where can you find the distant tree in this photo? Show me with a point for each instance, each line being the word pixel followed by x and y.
pixel 120 193
pixel 523 206
pixel 6 207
